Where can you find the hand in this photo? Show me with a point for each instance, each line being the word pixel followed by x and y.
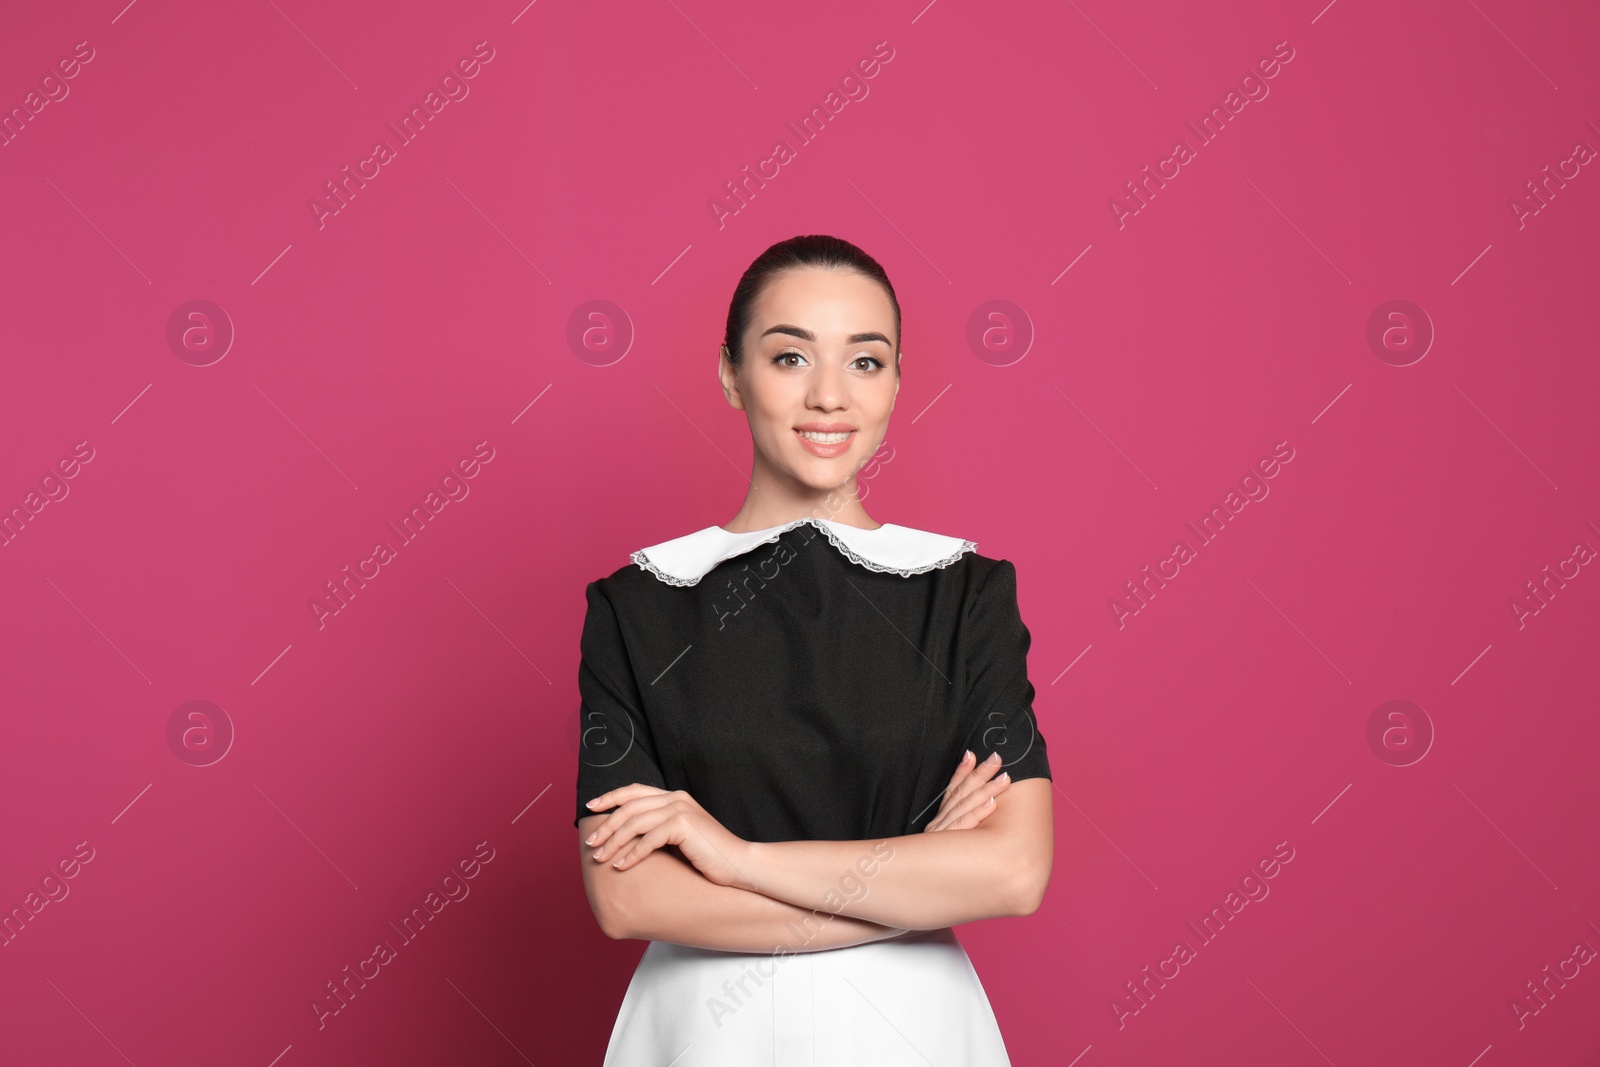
pixel 969 798
pixel 647 818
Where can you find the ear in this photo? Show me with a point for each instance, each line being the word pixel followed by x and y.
pixel 729 379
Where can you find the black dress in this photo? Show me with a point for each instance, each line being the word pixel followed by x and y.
pixel 810 681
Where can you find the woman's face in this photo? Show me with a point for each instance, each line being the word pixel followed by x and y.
pixel 818 377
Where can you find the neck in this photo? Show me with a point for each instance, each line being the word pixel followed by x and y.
pixel 776 499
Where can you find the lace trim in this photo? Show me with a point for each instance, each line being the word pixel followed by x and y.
pixel 966 546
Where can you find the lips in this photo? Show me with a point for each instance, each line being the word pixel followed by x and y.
pixel 826 440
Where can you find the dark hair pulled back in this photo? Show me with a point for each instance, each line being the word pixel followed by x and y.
pixel 807 250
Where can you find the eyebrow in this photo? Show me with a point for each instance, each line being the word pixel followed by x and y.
pixel 807 335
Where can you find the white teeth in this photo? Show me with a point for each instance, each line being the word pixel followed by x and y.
pixel 825 438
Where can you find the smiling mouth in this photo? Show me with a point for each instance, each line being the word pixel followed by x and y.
pixel 826 444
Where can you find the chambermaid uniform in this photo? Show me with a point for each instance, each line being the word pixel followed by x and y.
pixel 811 681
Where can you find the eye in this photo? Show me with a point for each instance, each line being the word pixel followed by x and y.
pixel 785 354
pixel 880 364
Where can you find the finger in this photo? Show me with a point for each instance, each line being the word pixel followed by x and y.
pixel 622 794
pixel 963 768
pixel 979 799
pixel 626 822
pixel 642 847
pixel 969 777
pixel 976 779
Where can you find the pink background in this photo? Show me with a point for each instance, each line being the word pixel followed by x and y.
pixel 372 753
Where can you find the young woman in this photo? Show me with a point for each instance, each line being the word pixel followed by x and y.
pixel 802 717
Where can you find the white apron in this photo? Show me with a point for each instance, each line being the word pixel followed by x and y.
pixel 914 1000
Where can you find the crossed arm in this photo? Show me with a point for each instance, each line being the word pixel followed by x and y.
pixel 721 892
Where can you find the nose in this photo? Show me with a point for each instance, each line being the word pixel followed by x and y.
pixel 828 387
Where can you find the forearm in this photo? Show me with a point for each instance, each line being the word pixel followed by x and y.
pixel 663 898
pixel 915 882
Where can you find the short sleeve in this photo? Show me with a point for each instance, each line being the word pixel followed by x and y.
pixel 999 705
pixel 615 747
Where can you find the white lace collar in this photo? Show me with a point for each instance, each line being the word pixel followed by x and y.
pixel 895 549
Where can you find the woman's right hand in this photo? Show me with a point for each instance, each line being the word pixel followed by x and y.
pixel 969 798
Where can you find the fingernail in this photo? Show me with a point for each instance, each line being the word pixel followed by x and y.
pixel 1003 776
pixel 590 803
pixel 589 840
pixel 986 803
pixel 994 757
pixel 596 853
pixel 969 757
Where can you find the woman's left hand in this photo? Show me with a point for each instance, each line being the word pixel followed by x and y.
pixel 647 818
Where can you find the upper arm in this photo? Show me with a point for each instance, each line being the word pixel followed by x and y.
pixel 1024 817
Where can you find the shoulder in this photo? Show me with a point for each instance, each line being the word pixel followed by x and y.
pixel 889 548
